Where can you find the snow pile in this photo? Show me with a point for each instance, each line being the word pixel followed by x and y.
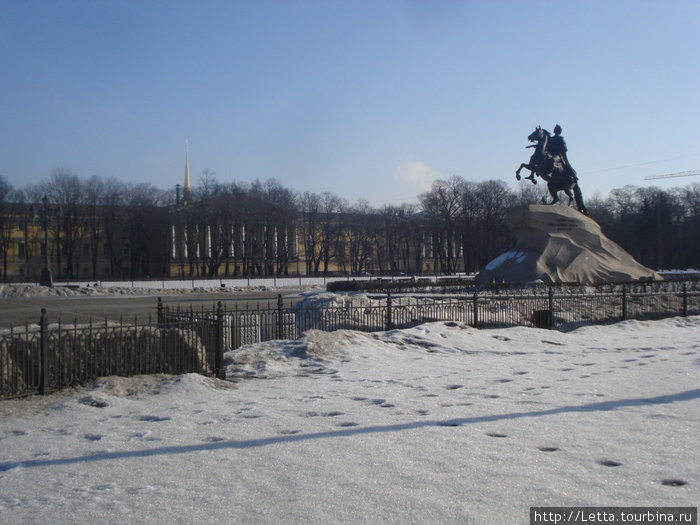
pixel 316 300
pixel 28 290
pixel 518 256
pixel 313 353
pixel 441 423
pixel 359 311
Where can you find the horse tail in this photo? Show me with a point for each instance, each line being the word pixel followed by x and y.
pixel 579 200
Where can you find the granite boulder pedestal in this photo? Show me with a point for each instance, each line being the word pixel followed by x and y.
pixel 558 244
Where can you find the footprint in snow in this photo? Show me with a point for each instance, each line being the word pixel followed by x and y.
pixel 153 418
pixel 97 403
pixel 673 482
pixel 502 338
pixel 323 414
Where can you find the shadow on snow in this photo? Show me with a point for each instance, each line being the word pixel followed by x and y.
pixel 355 431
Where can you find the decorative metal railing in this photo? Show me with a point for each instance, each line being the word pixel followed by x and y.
pixel 46 357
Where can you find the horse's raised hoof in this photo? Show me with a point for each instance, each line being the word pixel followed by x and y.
pixel 517 176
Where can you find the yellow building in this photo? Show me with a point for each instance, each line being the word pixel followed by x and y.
pixel 19 241
pixel 76 248
pixel 222 235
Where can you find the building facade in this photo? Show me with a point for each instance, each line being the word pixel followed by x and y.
pixel 219 235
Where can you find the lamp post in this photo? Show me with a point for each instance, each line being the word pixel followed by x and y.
pixel 46 278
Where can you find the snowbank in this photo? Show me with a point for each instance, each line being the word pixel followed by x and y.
pixel 28 290
pixel 441 423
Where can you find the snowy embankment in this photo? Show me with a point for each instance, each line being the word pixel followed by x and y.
pixel 441 423
pixel 28 290
pixel 165 287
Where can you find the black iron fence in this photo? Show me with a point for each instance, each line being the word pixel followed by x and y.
pixel 43 357
pixel 544 306
pixel 46 357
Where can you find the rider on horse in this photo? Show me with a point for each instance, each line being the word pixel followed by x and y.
pixel 550 161
pixel 556 150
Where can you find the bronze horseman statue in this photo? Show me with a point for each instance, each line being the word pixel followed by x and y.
pixel 550 162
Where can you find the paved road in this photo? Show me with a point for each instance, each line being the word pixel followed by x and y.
pixel 17 311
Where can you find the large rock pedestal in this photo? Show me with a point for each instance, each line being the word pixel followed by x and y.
pixel 557 244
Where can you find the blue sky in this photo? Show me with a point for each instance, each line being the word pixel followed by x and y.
pixel 365 99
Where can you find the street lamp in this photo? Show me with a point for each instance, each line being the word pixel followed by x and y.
pixel 46 278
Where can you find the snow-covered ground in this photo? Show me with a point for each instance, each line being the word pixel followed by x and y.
pixel 164 287
pixel 29 290
pixel 441 423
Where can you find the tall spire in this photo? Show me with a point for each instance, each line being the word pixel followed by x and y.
pixel 187 191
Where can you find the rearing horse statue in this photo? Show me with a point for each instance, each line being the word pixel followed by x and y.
pixel 559 176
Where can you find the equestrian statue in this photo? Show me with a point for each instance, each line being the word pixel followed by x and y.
pixel 550 162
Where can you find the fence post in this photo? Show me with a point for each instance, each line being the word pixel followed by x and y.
pixel 160 312
pixel 624 302
pixel 280 324
pixel 550 314
pixel 685 300
pixel 476 308
pixel 219 359
pixel 389 324
pixel 44 387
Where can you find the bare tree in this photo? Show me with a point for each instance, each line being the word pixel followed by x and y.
pixel 493 198
pixel 146 247
pixel 332 206
pixel 396 238
pixel 282 214
pixel 114 236
pixel 442 207
pixel 5 223
pixel 358 245
pixel 310 209
pixel 689 229
pixel 66 191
